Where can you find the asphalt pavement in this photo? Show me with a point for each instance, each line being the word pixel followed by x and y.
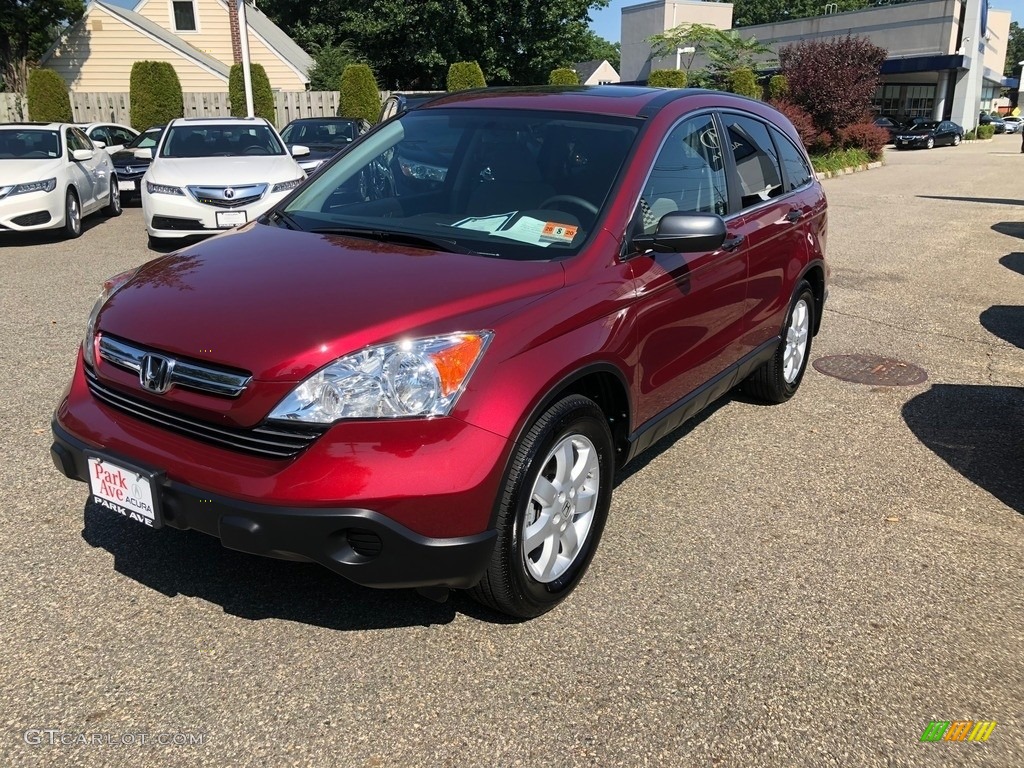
pixel 800 585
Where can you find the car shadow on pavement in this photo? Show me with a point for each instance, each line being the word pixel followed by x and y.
pixel 978 430
pixel 46 236
pixel 1014 261
pixel 1006 322
pixel 175 562
pixel 1011 228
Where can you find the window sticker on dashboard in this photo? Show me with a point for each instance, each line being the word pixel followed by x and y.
pixel 558 233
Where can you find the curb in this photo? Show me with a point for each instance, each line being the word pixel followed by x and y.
pixel 847 171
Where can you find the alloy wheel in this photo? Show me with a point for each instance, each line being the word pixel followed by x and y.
pixel 796 341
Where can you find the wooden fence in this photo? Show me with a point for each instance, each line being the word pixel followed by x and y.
pixel 13 107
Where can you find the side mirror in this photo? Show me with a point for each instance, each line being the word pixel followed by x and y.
pixel 680 232
pixel 81 155
pixel 299 151
pixel 99 144
pixel 144 154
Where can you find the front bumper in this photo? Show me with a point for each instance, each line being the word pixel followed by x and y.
pixel 359 544
pixel 32 211
pixel 170 216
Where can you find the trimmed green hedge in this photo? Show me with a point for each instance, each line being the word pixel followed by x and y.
pixel 563 76
pixel 155 94
pixel 262 94
pixel 778 87
pixel 465 75
pixel 667 78
pixel 48 100
pixel 742 82
pixel 360 96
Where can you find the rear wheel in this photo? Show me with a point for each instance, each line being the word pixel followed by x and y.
pixel 778 379
pixel 553 509
pixel 72 215
pixel 114 201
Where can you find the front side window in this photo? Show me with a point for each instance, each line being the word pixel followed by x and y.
pixel 146 139
pixel 329 133
pixel 688 175
pixel 100 134
pixel 756 162
pixel 797 171
pixel 29 144
pixel 502 183
pixel 120 135
pixel 184 16
pixel 76 140
pixel 186 140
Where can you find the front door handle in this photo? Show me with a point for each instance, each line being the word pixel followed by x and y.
pixel 732 243
pixel 794 216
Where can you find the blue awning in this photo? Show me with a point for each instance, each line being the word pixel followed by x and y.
pixel 910 64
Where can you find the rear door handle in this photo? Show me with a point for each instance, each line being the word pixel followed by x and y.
pixel 794 216
pixel 732 243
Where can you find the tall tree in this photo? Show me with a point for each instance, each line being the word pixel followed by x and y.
pixel 27 30
pixel 1014 50
pixel 600 49
pixel 746 13
pixel 515 41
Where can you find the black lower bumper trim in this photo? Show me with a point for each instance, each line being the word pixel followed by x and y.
pixel 359 544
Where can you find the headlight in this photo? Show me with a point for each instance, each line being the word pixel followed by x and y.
pixel 110 286
pixel 422 171
pixel 47 185
pixel 412 378
pixel 162 189
pixel 284 186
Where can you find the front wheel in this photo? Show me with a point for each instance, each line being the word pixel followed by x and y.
pixel 552 512
pixel 778 379
pixel 72 215
pixel 930 144
pixel 956 140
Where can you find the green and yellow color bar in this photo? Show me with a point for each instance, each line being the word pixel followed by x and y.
pixel 958 730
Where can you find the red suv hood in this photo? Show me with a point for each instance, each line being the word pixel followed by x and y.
pixel 281 304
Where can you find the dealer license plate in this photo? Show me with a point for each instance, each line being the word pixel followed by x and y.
pixel 126 186
pixel 126 491
pixel 230 218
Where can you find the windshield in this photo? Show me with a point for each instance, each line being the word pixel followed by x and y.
pixel 335 133
pixel 146 139
pixel 29 145
pixel 526 185
pixel 220 141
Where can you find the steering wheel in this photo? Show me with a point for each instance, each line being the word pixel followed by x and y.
pixel 254 149
pixel 573 200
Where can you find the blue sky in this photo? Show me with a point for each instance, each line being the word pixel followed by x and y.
pixel 607 24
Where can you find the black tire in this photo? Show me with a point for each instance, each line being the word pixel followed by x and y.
pixel 508 586
pixel 956 140
pixel 768 383
pixel 930 144
pixel 113 207
pixel 72 215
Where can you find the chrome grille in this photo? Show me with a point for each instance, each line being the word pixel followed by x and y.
pixel 216 381
pixel 229 197
pixel 266 440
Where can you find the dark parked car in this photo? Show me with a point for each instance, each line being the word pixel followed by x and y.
pixel 890 125
pixel 397 103
pixel 325 137
pixel 129 168
pixel 929 133
pixel 996 122
pixel 435 390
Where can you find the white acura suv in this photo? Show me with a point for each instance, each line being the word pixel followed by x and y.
pixel 212 174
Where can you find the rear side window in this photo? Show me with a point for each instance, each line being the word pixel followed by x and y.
pixel 797 172
pixel 756 161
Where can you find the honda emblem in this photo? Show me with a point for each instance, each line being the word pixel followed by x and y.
pixel 155 373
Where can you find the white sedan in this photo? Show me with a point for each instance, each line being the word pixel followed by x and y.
pixel 51 176
pixel 212 174
pixel 109 136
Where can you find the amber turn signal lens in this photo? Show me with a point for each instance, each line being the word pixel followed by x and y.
pixel 454 363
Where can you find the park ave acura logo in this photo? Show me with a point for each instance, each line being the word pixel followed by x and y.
pixel 229 193
pixel 155 373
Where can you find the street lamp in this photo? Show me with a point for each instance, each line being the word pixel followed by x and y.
pixel 680 51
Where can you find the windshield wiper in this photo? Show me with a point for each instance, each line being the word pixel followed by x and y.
pixel 284 218
pixel 404 238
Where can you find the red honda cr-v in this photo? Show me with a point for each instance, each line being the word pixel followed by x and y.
pixel 423 368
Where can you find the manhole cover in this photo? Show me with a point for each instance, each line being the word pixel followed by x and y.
pixel 871 369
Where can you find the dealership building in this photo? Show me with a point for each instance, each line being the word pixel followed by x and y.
pixel 945 61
